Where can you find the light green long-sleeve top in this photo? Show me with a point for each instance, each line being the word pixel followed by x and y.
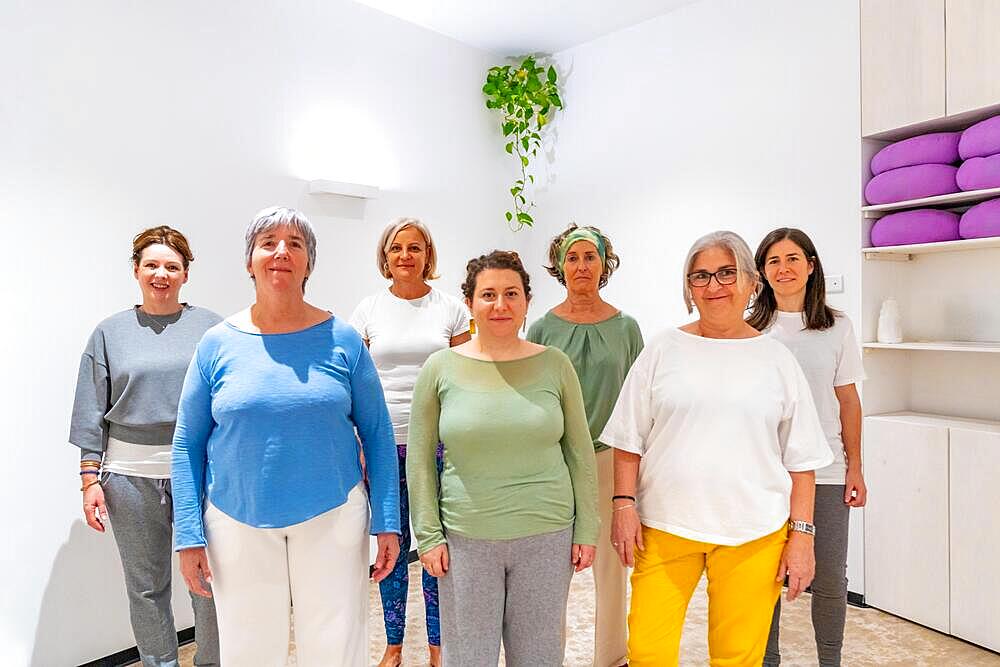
pixel 601 352
pixel 518 456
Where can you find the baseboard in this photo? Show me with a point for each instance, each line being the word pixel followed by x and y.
pixel 130 655
pixel 856 600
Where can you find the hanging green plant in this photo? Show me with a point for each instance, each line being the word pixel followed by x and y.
pixel 527 96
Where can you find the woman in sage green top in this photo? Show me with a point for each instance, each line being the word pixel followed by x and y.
pixel 602 342
pixel 515 511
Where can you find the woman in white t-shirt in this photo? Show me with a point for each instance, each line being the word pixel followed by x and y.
pixel 716 439
pixel 402 326
pixel 792 308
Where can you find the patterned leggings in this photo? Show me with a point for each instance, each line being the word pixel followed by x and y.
pixel 394 587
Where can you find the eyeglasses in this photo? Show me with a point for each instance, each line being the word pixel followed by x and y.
pixel 703 278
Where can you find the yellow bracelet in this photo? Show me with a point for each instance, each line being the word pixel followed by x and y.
pixel 89 484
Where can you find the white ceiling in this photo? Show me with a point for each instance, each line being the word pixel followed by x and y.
pixel 518 27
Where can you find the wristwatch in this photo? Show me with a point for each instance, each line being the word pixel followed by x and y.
pixel 802 527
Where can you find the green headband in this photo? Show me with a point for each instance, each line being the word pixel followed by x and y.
pixel 581 234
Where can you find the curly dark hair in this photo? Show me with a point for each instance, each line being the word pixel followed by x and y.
pixel 498 259
pixel 611 260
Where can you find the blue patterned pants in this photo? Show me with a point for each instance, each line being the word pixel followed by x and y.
pixel 394 587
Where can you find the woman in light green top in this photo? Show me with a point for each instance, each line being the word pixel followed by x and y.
pixel 602 342
pixel 515 511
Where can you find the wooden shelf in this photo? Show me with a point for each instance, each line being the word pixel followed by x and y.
pixel 937 346
pixel 905 252
pixel 963 199
pixel 951 123
pixel 928 419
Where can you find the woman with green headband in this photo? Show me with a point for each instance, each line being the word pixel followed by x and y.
pixel 602 342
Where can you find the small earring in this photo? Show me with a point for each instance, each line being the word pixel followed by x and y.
pixel 472 326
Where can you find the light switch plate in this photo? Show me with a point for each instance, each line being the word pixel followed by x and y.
pixel 834 284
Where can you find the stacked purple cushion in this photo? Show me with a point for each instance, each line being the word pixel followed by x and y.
pixel 981 139
pixel 979 173
pixel 934 148
pixel 980 221
pixel 913 182
pixel 926 225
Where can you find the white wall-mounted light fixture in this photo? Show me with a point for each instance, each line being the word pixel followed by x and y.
pixel 356 190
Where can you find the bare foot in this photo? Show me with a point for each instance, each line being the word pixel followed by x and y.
pixel 393 656
pixel 435 652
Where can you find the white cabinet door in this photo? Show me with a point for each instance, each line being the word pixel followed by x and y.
pixel 975 536
pixel 973 46
pixel 906 520
pixel 902 63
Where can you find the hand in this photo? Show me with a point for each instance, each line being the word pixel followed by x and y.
pixel 798 561
pixel 195 570
pixel 388 552
pixel 94 506
pixel 855 491
pixel 435 561
pixel 582 556
pixel 626 535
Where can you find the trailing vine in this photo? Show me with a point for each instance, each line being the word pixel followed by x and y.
pixel 527 96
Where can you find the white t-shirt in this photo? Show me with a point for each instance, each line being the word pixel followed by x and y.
pixel 829 358
pixel 401 334
pixel 719 423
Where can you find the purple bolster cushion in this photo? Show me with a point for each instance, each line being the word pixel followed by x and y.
pixel 925 225
pixel 922 180
pixel 935 148
pixel 979 173
pixel 981 139
pixel 981 220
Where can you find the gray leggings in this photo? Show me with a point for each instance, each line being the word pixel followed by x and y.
pixel 141 513
pixel 829 587
pixel 514 589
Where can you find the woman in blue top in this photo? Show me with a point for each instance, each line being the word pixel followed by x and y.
pixel 268 492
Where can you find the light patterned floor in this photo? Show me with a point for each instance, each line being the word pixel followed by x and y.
pixel 872 638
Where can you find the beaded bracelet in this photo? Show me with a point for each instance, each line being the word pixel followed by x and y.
pixel 95 471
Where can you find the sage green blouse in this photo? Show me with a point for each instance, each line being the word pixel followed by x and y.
pixel 518 459
pixel 601 353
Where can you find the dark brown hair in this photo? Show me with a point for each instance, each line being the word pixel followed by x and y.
pixel 498 259
pixel 164 235
pixel 611 260
pixel 817 315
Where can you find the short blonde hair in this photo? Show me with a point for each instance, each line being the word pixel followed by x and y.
pixel 746 269
pixel 389 235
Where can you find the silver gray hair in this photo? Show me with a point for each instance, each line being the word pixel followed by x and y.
pixel 746 269
pixel 280 216
pixel 389 235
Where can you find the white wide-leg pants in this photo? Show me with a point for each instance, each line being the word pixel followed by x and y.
pixel 320 566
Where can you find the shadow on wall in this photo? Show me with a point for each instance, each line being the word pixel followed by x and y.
pixel 70 629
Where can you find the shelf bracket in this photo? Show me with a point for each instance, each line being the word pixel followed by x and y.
pixel 890 256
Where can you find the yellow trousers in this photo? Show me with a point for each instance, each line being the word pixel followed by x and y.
pixel 741 594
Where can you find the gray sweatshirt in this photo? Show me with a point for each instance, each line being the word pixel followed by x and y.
pixel 130 378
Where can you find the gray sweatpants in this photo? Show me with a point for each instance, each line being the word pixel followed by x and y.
pixel 514 589
pixel 829 587
pixel 141 513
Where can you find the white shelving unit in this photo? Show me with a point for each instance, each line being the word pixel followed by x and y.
pixel 932 403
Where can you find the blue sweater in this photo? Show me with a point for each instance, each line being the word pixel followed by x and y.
pixel 265 430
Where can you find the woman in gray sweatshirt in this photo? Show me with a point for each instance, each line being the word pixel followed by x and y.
pixel 124 413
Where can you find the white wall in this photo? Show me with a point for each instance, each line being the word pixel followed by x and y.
pixel 123 115
pixel 720 115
